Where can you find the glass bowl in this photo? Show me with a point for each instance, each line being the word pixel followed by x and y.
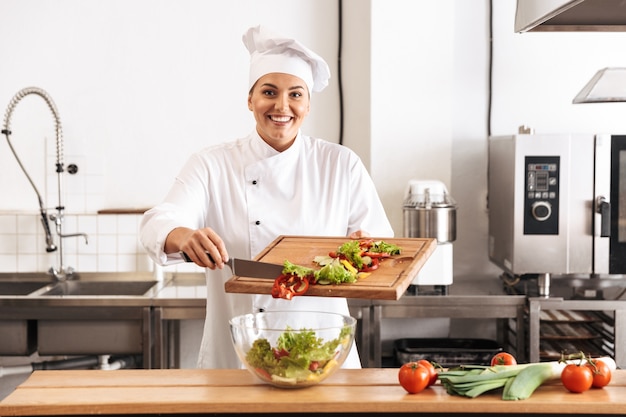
pixel 292 349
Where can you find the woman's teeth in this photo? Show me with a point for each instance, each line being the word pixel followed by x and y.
pixel 280 119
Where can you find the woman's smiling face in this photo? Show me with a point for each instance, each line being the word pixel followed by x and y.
pixel 280 103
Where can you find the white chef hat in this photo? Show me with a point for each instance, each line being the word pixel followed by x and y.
pixel 271 52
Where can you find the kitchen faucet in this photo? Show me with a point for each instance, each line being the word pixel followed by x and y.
pixel 63 272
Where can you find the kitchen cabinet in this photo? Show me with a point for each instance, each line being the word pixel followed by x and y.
pixel 236 391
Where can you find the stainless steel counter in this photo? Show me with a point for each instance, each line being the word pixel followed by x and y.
pixel 98 313
pixel 149 320
pixel 156 313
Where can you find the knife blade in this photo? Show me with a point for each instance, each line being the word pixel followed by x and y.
pixel 246 268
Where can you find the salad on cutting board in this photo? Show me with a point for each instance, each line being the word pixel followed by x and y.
pixel 371 268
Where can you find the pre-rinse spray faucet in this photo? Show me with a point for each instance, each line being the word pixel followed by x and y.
pixel 63 272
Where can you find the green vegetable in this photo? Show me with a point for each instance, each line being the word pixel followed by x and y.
pixel 301 271
pixel 381 246
pixel 528 380
pixel 471 381
pixel 334 273
pixel 262 356
pixel 352 250
pixel 518 381
pixel 297 356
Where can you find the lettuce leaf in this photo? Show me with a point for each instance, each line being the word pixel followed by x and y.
pixel 301 271
pixel 303 348
pixel 334 273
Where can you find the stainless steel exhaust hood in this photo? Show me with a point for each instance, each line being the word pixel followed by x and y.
pixel 570 16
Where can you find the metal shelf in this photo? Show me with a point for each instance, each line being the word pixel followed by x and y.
pixel 610 327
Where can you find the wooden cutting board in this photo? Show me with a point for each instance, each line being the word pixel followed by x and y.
pixel 388 282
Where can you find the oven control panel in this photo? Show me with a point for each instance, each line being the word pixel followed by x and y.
pixel 541 195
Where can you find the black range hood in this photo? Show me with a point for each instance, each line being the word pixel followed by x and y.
pixel 570 16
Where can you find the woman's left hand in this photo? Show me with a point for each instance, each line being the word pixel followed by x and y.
pixel 358 234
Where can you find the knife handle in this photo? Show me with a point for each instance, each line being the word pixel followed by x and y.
pixel 188 259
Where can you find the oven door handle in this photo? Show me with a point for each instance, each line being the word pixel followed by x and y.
pixel 604 208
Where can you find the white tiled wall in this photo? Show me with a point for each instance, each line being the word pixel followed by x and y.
pixel 112 239
pixel 112 244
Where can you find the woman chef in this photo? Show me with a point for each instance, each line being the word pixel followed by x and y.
pixel 234 199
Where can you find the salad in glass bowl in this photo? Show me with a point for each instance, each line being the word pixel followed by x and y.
pixel 293 348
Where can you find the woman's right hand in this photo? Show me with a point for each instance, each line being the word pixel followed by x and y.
pixel 198 245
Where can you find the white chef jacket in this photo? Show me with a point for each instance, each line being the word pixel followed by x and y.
pixel 250 194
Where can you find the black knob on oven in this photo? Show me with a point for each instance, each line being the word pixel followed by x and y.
pixel 541 210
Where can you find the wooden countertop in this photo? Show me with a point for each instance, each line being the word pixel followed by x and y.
pixel 373 390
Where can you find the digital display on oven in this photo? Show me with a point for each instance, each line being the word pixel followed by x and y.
pixel 541 199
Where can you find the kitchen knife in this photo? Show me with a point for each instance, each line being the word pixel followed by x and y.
pixel 246 268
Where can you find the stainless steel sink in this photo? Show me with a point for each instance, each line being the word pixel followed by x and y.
pixel 95 288
pixel 20 287
pixel 93 313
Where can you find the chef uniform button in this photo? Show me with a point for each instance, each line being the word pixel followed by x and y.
pixel 258 222
pixel 254 182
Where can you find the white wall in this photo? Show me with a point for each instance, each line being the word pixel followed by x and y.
pixel 140 85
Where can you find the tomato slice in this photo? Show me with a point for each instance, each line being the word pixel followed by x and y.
pixel 371 267
pixel 263 374
pixel 280 289
pixel 301 286
pixel 279 353
pixel 287 286
pixel 334 254
pixel 366 243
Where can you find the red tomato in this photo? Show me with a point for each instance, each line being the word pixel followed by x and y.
pixel 279 353
pixel 371 267
pixel 577 378
pixel 503 358
pixel 263 374
pixel 601 373
pixel 413 377
pixel 432 371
